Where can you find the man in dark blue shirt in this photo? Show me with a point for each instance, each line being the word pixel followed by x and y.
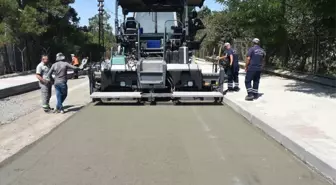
pixel 254 63
pixel 233 68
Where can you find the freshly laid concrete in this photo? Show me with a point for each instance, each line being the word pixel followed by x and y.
pixel 157 145
pixel 299 115
pixel 25 122
pixel 20 84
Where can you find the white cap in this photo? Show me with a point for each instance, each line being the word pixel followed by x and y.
pixel 226 44
pixel 60 57
pixel 256 40
pixel 72 55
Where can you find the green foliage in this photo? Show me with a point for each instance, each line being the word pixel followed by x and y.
pixel 41 24
pixel 294 32
pixel 109 39
pixel 29 21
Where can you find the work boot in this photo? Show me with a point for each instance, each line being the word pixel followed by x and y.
pixel 47 109
pixel 249 97
pixel 230 89
pixel 236 89
pixel 256 95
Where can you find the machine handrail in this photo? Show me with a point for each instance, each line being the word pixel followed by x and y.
pixel 164 35
pixel 138 35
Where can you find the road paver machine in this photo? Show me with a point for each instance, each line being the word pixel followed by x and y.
pixel 154 58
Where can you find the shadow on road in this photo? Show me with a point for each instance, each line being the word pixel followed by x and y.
pixel 67 106
pixel 118 104
pixel 74 109
pixel 314 89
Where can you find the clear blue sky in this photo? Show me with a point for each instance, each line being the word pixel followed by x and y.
pixel 88 8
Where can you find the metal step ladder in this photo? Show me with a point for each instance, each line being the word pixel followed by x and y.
pixel 152 73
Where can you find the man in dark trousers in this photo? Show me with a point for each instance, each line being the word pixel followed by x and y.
pixel 232 68
pixel 255 60
pixel 60 68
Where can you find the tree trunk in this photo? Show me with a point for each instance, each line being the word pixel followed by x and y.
pixel 8 68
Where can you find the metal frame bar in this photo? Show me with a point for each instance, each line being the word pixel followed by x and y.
pixel 116 22
pixel 165 33
pixel 176 94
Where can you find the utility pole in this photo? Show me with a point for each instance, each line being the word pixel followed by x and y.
pixel 103 30
pixel 156 22
pixel 100 22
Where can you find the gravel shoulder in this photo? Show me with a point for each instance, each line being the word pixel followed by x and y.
pixel 14 107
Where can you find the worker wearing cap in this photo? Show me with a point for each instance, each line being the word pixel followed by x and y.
pixel 75 62
pixel 60 69
pixel 254 62
pixel 233 67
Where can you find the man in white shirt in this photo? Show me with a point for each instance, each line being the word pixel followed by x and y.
pixel 42 70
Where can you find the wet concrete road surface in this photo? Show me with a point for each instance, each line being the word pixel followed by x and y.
pixel 156 145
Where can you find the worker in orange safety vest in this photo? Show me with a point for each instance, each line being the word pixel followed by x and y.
pixel 75 62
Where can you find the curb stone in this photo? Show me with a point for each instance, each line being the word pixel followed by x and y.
pixel 23 88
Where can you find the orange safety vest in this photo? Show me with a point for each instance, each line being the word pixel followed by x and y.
pixel 75 61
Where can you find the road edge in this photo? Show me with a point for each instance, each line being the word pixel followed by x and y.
pixel 17 74
pixel 306 157
pixel 23 88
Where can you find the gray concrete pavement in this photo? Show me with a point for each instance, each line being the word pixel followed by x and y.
pixel 301 116
pixel 25 122
pixel 157 145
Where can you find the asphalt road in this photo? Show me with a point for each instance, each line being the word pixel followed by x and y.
pixel 156 145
